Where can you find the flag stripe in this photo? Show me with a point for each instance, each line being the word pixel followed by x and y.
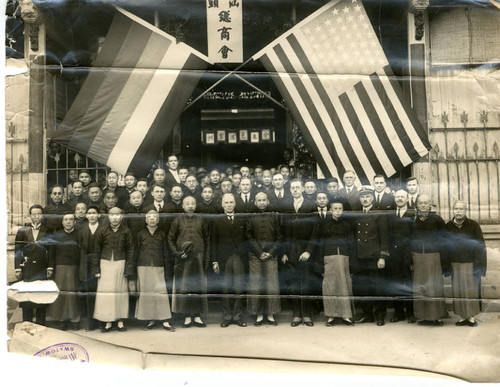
pixel 381 151
pixel 393 115
pixel 144 114
pixel 359 132
pixel 379 130
pixel 309 130
pixel 386 122
pixel 309 105
pixel 170 112
pixel 338 132
pixel 129 97
pixel 111 87
pixel 111 46
pixel 412 123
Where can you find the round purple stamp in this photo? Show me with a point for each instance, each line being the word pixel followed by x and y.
pixel 65 351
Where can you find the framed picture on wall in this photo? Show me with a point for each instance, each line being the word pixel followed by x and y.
pixel 221 136
pixel 232 138
pixel 243 135
pixel 266 134
pixel 254 137
pixel 210 138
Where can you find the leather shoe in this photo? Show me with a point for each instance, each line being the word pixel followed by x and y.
pixel 224 324
pixel 471 323
pixel 169 328
pixel 188 325
pixel 241 323
pixel 330 323
pixel 272 322
pixel 412 319
pixel 106 330
pixel 364 319
pixel 462 323
pixel 396 318
pixel 122 329
pixel 438 323
pixel 308 323
pixel 380 322
pixel 199 325
pixel 151 326
pixel 258 323
pixel 347 321
pixel 295 323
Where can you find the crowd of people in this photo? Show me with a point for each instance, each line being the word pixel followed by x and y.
pixel 254 239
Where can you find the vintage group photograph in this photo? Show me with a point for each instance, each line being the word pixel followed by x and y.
pixel 303 185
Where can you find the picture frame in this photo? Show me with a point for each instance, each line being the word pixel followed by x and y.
pixel 266 135
pixel 243 134
pixel 254 137
pixel 232 138
pixel 221 136
pixel 210 138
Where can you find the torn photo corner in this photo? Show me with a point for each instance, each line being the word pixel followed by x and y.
pixel 275 187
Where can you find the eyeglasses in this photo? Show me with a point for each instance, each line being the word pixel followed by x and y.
pixel 57 193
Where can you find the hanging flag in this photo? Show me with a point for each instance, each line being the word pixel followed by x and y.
pixel 133 95
pixel 336 80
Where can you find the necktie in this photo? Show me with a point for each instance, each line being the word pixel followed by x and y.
pixel 378 198
pixel 323 213
pixel 348 191
pixel 159 208
pixel 279 195
pixel 411 202
pixel 230 218
pixel 399 213
pixel 246 198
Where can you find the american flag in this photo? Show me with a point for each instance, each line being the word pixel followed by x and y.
pixel 337 82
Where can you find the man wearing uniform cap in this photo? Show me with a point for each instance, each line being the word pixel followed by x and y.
pixel 372 241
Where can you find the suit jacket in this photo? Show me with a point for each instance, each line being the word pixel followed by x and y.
pixel 169 181
pixel 53 215
pixel 280 205
pixel 86 240
pixel 372 234
pixel 387 202
pixel 228 238
pixel 245 208
pixel 352 198
pixel 298 228
pixel 31 256
pixel 400 230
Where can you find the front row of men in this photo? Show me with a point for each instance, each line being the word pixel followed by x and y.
pixel 314 251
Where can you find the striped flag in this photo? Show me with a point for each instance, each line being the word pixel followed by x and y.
pixel 336 80
pixel 133 95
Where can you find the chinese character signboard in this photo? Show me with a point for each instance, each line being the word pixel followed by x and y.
pixel 225 30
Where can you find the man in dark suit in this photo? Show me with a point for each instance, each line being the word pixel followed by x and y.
pixel 280 199
pixel 245 200
pixel 297 265
pixel 172 174
pixel 31 260
pixel 399 276
pixel 350 191
pixel 88 282
pixel 372 242
pixel 229 258
pixel 384 201
pixel 413 190
pixel 55 210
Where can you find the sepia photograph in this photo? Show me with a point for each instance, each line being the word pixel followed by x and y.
pixel 295 187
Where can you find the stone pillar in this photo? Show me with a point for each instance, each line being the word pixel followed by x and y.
pixel 418 43
pixel 34 32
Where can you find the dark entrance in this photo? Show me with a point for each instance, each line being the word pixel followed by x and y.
pixel 235 124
